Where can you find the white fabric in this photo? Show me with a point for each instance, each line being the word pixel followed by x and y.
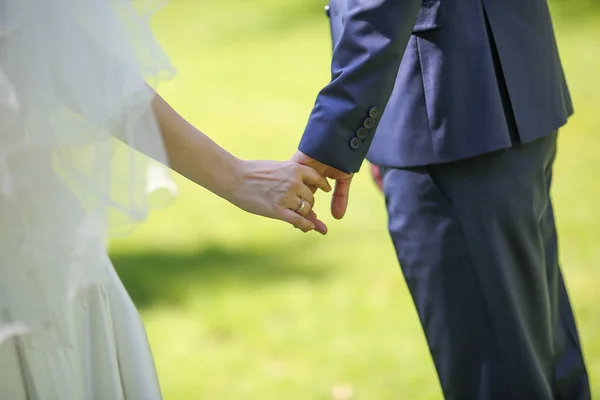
pixel 80 158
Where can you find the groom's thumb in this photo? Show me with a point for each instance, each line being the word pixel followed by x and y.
pixel 339 201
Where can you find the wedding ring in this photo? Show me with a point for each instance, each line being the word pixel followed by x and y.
pixel 302 206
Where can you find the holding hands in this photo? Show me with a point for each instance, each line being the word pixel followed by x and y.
pixel 285 190
pixel 339 201
pixel 280 190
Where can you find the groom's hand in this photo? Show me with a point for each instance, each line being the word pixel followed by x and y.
pixel 377 177
pixel 339 201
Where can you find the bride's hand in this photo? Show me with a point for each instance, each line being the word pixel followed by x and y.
pixel 268 188
pixel 279 190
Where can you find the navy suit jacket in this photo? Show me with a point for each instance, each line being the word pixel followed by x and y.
pixel 417 81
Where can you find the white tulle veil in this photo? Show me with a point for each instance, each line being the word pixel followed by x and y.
pixel 81 156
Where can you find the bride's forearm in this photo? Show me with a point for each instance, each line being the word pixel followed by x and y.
pixel 279 190
pixel 193 154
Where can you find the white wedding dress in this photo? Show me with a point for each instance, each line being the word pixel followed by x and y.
pixel 80 158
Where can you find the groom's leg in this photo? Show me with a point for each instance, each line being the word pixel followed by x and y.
pixel 470 242
pixel 570 376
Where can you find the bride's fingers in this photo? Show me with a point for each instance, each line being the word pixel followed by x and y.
pixel 304 193
pixel 303 207
pixel 312 188
pixel 319 225
pixel 296 220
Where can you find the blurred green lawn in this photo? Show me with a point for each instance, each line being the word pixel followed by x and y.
pixel 238 307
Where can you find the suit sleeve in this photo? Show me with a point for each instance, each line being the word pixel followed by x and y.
pixel 364 66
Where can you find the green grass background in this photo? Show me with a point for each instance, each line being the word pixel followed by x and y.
pixel 238 307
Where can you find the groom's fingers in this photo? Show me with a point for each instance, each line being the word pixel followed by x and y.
pixel 339 201
pixel 311 177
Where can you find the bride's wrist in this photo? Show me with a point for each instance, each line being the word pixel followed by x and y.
pixel 231 181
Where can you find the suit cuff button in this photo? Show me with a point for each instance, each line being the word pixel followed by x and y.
pixel 361 133
pixel 356 143
pixel 374 112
